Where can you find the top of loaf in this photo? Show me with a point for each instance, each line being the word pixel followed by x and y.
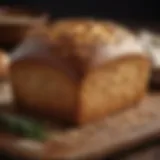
pixel 83 31
pixel 87 31
pixel 92 39
pixel 87 43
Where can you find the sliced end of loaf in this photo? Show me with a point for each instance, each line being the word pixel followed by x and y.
pixel 113 86
pixel 43 89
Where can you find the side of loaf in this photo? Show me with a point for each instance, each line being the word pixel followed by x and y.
pixel 82 71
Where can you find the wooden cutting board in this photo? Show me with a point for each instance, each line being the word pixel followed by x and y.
pixel 122 130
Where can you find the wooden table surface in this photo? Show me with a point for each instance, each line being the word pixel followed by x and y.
pixel 152 153
pixel 149 151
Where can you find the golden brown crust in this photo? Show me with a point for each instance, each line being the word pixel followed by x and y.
pixel 91 42
pixel 88 42
pixel 82 43
pixel 84 51
pixel 39 50
pixel 116 85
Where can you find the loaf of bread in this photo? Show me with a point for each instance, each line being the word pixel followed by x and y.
pixel 82 71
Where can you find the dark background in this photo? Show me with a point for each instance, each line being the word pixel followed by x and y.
pixel 115 9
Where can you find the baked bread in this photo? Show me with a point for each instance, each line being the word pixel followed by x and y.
pixel 80 72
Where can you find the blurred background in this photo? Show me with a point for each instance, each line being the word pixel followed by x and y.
pixel 122 10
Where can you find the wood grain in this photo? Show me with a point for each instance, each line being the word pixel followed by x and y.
pixel 150 153
pixel 122 130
